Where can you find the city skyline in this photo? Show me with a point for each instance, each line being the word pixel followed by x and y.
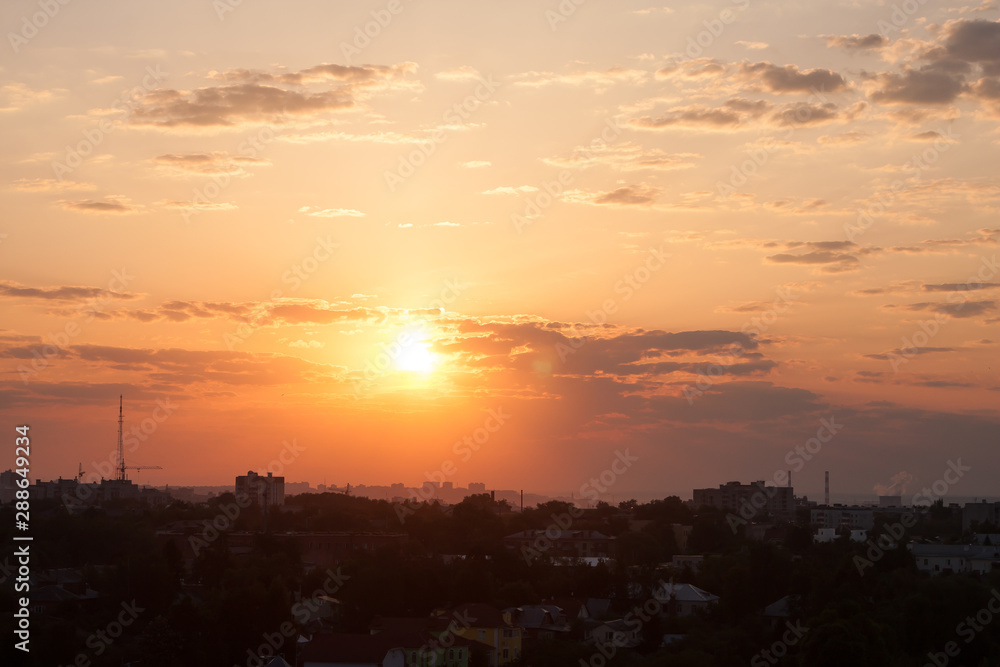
pixel 687 244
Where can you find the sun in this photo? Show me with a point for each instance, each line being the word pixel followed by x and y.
pixel 416 357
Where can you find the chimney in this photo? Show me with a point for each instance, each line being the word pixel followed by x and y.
pixel 827 496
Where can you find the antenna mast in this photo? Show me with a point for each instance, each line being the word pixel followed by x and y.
pixel 121 451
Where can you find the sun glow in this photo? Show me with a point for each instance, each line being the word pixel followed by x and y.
pixel 417 357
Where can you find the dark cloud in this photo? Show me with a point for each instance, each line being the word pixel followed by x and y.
pixel 630 195
pixel 959 287
pixel 923 86
pixel 254 96
pixel 832 256
pixel 790 79
pixel 974 41
pixel 109 205
pixel 908 352
pixel 60 293
pixel 858 42
pixel 958 309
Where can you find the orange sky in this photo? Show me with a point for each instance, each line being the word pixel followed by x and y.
pixel 692 232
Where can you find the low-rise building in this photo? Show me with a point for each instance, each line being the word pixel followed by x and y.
pixel 683 599
pixel 957 558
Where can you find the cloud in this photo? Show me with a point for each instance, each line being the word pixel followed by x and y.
pixel 624 157
pixel 476 164
pixel 511 190
pixel 629 195
pixel 690 116
pixel 461 73
pixel 908 352
pixel 253 96
pixel 831 256
pixel 974 41
pixel 599 80
pixel 111 204
pixel 858 42
pixel 206 163
pixel 923 86
pixel 754 46
pixel 959 309
pixel 331 212
pixel 15 290
pixel 49 185
pixel 790 79
pixel 960 287
pixel 805 113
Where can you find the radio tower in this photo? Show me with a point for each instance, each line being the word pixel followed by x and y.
pixel 121 451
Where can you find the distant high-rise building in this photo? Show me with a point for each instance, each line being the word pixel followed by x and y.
pixel 776 501
pixel 477 487
pixel 268 490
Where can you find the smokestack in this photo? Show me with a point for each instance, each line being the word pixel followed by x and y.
pixel 827 497
pixel 789 479
pixel 522 501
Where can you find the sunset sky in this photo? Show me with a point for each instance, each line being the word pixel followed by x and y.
pixel 364 226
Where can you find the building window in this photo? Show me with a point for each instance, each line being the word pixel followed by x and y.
pixel 506 654
pixel 482 635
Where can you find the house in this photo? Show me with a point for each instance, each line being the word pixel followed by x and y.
pixel 342 650
pixel 572 608
pixel 616 632
pixel 488 625
pixel 825 535
pixel 782 610
pixel 683 599
pixel 539 621
pixel 958 558
pixel 428 641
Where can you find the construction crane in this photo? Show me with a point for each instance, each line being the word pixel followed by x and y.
pixel 121 450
